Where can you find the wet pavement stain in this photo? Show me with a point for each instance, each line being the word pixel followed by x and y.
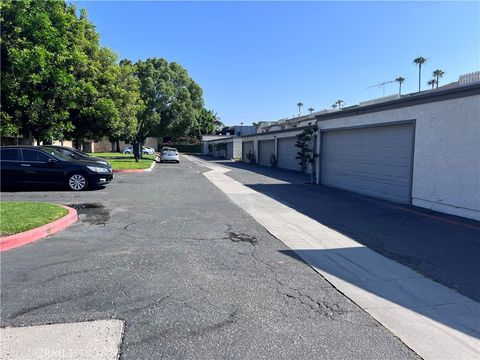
pixel 92 213
pixel 241 237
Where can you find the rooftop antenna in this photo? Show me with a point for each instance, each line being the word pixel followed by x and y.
pixel 382 85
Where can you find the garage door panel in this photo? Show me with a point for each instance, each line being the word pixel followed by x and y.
pixel 374 161
pixel 247 146
pixel 229 151
pixel 286 153
pixel 265 150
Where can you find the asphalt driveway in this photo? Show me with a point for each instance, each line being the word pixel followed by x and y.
pixel 192 275
pixel 444 248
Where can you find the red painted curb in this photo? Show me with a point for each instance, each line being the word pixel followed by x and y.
pixel 26 237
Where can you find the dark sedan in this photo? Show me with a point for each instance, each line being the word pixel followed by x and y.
pixel 23 165
pixel 75 154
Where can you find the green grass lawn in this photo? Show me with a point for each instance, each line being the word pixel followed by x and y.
pixel 125 161
pixel 16 216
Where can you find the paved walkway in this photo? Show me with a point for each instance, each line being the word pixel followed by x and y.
pixel 190 274
pixel 433 320
pixel 442 247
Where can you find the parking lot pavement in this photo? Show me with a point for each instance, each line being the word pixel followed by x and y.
pixel 190 273
pixel 443 247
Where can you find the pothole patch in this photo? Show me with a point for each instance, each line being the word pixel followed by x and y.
pixel 241 237
pixel 92 213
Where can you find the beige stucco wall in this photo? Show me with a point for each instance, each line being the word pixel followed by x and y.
pixel 446 165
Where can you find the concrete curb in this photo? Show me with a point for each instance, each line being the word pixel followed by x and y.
pixel 434 321
pixel 26 237
pixel 136 170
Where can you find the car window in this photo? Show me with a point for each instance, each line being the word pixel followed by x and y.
pixel 78 152
pixel 68 152
pixel 58 154
pixel 34 155
pixel 10 154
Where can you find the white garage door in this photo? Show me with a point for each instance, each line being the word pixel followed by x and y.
pixel 286 154
pixel 375 161
pixel 265 150
pixel 229 150
pixel 247 146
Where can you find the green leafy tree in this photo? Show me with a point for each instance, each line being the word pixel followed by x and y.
pixel 96 113
pixel 126 95
pixel 172 99
pixel 206 123
pixel 305 153
pixel 38 87
pixel 431 82
pixel 419 61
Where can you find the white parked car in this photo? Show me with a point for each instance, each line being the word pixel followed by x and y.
pixel 169 154
pixel 145 150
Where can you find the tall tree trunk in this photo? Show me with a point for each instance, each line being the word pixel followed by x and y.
pixel 30 137
pixel 117 144
pixel 419 77
pixel 78 144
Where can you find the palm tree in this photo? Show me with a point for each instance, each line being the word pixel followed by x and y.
pixel 340 103
pixel 311 110
pixel 432 82
pixel 334 106
pixel 400 81
pixel 299 104
pixel 419 61
pixel 437 74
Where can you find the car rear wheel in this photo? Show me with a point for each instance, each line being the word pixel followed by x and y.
pixel 77 182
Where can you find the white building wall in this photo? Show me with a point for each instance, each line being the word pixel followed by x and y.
pixel 237 148
pixel 446 166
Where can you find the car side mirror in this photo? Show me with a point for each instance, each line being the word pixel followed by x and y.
pixel 51 161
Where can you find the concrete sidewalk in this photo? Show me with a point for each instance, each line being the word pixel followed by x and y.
pixel 433 320
pixel 442 247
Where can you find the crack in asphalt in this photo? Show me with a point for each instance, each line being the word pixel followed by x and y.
pixel 68 273
pixel 240 237
pixel 56 301
pixel 230 320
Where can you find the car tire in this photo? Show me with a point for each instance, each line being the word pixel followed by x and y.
pixel 77 182
pixel 178 161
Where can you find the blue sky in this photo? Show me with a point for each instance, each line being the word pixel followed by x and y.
pixel 256 60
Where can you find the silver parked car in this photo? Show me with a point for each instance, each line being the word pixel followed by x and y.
pixel 169 154
pixel 145 150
